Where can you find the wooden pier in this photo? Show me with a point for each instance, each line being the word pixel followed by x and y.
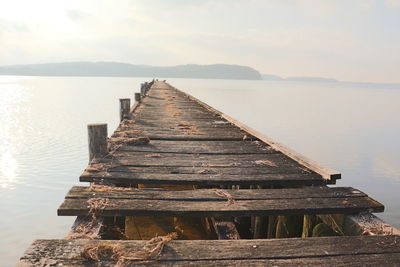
pixel 180 183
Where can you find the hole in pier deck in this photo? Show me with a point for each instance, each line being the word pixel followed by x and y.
pixel 197 228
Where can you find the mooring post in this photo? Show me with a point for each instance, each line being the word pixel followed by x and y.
pixel 137 97
pixel 97 134
pixel 142 89
pixel 124 108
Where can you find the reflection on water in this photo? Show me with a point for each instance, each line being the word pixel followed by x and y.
pixel 14 98
pixel 8 169
pixel 43 143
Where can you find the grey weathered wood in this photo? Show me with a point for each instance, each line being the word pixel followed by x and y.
pixel 326 172
pixel 225 176
pixel 273 161
pixel 124 108
pixel 363 260
pixel 211 194
pixel 97 135
pixel 323 251
pixel 142 88
pixel 207 203
pixel 137 97
pixel 201 147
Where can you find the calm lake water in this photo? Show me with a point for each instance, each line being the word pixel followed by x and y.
pixel 353 128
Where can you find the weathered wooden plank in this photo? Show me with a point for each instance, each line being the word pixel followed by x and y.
pixel 201 147
pixel 206 170
pixel 276 161
pixel 202 203
pixel 325 172
pixel 160 133
pixel 362 260
pixel 212 194
pixel 171 208
pixel 323 251
pixel 201 176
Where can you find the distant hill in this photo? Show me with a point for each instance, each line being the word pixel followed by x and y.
pixel 298 79
pixel 216 71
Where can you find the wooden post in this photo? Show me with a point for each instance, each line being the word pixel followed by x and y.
pixel 124 108
pixel 97 134
pixel 142 89
pixel 137 97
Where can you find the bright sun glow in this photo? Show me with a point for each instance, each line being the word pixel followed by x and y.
pixel 39 11
pixel 8 169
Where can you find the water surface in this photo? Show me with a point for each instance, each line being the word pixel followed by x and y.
pixel 353 128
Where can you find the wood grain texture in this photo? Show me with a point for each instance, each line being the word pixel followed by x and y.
pixel 325 172
pixel 208 203
pixel 323 251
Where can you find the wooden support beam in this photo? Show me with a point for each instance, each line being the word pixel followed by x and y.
pixel 225 228
pixel 97 135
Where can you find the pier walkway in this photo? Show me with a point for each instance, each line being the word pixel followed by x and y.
pixel 180 183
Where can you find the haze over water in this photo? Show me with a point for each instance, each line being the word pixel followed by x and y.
pixel 353 128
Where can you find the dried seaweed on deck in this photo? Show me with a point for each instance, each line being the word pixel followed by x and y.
pixel 122 256
pixel 107 188
pixel 223 193
pixel 97 205
pixel 86 230
pixel 98 167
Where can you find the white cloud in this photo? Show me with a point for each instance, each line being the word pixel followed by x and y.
pixel 393 3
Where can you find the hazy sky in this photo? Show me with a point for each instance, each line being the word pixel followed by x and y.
pixel 357 40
